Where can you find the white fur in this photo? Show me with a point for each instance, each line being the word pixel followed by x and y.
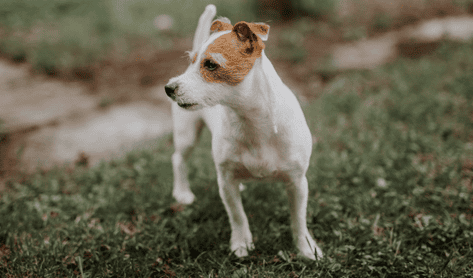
pixel 257 127
pixel 218 57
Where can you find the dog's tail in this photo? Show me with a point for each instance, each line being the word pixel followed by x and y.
pixel 202 32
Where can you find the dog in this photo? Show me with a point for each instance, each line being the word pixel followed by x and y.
pixel 259 131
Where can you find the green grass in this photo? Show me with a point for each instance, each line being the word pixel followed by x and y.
pixel 62 35
pixel 390 194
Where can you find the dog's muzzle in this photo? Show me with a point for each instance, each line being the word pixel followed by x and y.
pixel 170 91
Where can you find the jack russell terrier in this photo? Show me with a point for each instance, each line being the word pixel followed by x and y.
pixel 258 129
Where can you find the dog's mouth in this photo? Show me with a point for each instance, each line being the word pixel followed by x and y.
pixel 187 105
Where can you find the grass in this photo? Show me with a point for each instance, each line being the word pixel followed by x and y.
pixel 390 194
pixel 63 35
pixel 66 36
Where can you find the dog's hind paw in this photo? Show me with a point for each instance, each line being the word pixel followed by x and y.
pixel 185 198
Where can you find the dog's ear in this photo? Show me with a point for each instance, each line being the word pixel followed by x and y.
pixel 260 29
pixel 221 24
pixel 245 33
pixel 202 31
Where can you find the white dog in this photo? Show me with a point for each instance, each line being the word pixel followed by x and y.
pixel 258 129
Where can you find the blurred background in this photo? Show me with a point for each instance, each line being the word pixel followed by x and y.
pixel 82 80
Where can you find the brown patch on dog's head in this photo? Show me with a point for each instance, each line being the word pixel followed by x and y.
pixel 231 56
pixel 219 25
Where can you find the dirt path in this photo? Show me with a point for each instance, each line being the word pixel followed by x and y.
pixel 51 121
pixel 412 41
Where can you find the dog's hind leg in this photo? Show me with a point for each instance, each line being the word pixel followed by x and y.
pixel 187 128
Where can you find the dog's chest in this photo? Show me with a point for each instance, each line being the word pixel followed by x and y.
pixel 261 163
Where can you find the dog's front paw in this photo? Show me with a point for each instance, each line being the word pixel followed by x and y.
pixel 242 251
pixel 241 244
pixel 184 197
pixel 309 249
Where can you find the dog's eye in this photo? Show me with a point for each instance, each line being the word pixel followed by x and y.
pixel 210 65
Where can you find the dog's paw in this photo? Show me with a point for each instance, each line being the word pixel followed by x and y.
pixel 241 243
pixel 309 249
pixel 184 197
pixel 311 255
pixel 242 251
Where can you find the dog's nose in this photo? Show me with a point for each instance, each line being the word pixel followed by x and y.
pixel 170 90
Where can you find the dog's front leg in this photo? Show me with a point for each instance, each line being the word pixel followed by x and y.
pixel 241 239
pixel 297 191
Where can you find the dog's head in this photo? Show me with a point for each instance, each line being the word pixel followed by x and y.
pixel 219 65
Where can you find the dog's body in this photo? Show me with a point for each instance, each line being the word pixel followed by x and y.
pixel 257 125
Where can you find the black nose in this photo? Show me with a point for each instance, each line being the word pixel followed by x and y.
pixel 170 90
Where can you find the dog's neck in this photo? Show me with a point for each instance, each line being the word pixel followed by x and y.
pixel 253 112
